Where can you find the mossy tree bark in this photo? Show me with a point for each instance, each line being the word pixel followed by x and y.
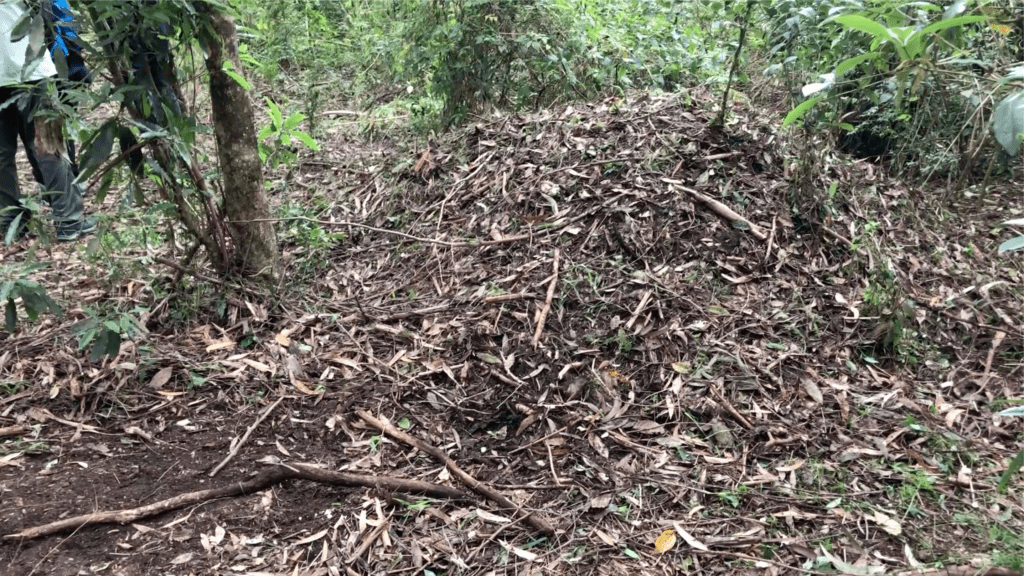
pixel 245 201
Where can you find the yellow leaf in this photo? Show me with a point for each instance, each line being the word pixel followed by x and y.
pixel 304 389
pixel 282 339
pixel 665 541
pixel 1001 28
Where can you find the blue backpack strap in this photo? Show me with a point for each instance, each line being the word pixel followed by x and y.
pixel 65 39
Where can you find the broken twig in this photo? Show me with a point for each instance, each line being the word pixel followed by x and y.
pixel 547 302
pixel 238 445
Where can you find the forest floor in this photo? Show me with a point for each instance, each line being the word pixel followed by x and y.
pixel 550 300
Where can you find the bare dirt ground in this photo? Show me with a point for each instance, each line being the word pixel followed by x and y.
pixel 550 300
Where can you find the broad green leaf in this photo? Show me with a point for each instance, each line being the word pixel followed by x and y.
pixel 275 113
pixel 1013 468
pixel 1012 244
pixel 851 63
pixel 915 43
pixel 1008 122
pixel 958 21
pixel 12 230
pixel 796 113
pixel 1015 411
pixel 1014 75
pixel 858 22
pixel 239 79
pixel 99 148
pixel 105 183
pixel 307 140
pixel 293 121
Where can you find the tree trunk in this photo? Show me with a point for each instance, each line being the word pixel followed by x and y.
pixel 245 200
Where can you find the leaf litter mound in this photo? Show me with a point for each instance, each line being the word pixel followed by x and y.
pixel 553 301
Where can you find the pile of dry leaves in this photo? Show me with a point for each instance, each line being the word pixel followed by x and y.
pixel 607 315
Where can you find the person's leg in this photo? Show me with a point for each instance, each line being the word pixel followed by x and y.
pixel 64 197
pixel 10 194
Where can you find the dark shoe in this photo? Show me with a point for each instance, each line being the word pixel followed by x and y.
pixel 68 231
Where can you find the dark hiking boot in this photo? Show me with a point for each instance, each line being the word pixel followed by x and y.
pixel 68 231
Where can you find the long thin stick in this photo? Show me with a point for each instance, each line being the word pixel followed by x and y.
pixel 263 481
pixel 719 208
pixel 547 302
pixel 245 437
pixel 533 518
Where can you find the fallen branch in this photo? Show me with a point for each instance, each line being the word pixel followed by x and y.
pixel 719 208
pixel 731 409
pixel 547 302
pixel 496 298
pixel 15 430
pixel 263 481
pixel 236 446
pixel 534 519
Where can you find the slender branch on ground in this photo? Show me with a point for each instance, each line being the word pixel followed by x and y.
pixel 542 318
pixel 236 446
pixel 533 518
pixel 263 481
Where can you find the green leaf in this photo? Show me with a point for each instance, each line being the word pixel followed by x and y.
pixel 1015 411
pixel 796 113
pixel 293 121
pixel 307 140
pixel 944 24
pixel 275 113
pixel 112 326
pixel 1013 468
pixel 10 316
pixel 22 27
pixel 404 423
pixel 107 343
pixel 1012 244
pixel 915 42
pixel 1008 122
pixel 12 230
pixel 488 357
pixel 239 79
pixel 632 554
pixel 86 338
pixel 99 148
pixel 858 22
pixel 105 183
pixel 851 63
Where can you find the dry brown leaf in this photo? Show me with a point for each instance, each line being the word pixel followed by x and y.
pixel 161 378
